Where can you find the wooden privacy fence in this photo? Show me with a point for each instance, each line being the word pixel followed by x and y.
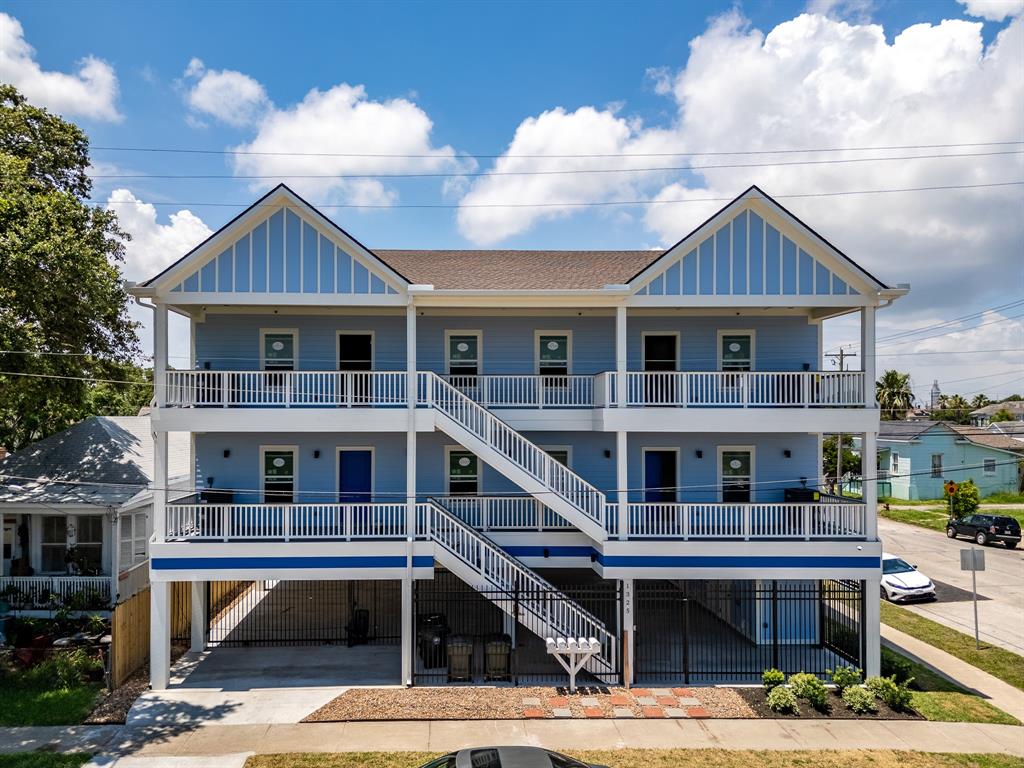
pixel 129 625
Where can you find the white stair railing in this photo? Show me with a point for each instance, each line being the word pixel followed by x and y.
pixel 511 445
pixel 542 615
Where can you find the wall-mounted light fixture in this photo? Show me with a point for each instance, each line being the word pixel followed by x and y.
pixel 787 453
pixel 206 365
pixel 227 453
pixel 209 482
pixel 547 552
pixel 607 453
pixel 803 482
pixel 807 366
pixel 316 453
pixel 700 453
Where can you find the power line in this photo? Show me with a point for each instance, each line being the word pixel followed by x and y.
pixel 436 156
pixel 598 203
pixel 947 333
pixel 555 172
pixel 942 324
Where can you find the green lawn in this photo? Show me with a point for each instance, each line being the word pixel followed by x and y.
pixel 671 758
pixel 935 517
pixel 995 498
pixel 998 662
pixel 30 705
pixel 42 760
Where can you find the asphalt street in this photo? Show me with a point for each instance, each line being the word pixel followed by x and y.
pixel 1000 586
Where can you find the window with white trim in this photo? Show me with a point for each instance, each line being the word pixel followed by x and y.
pixel 89 544
pixel 53 544
pixel 936 465
pixel 990 466
pixel 895 462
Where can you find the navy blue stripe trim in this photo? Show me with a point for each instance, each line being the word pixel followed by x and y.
pixel 736 561
pixel 199 563
pixel 532 551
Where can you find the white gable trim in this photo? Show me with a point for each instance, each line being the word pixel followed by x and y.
pixel 280 198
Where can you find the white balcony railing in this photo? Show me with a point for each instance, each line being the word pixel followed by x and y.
pixel 285 522
pixel 780 389
pixel 646 520
pixel 33 592
pixel 383 389
pixel 746 522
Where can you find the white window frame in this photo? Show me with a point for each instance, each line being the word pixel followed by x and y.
pixel 643 347
pixel 448 333
pixel 567 448
pixel 373 348
pixel 894 462
pixel 337 467
pixel 722 449
pixel 723 332
pixel 937 472
pixel 295 469
pixel 448 450
pixel 263 346
pixel 661 449
pixel 985 464
pixel 37 536
pixel 568 350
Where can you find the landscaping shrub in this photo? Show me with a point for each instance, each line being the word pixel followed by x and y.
pixel 859 700
pixel 896 696
pixel 809 687
pixel 772 678
pixel 844 677
pixel 781 699
pixel 966 499
pixel 895 665
pixel 66 670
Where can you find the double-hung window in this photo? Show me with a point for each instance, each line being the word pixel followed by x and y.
pixel 54 544
pixel 989 466
pixel 936 465
pixel 89 544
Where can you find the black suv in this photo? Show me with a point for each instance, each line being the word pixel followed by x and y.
pixel 986 529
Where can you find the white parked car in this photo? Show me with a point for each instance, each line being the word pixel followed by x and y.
pixel 902 582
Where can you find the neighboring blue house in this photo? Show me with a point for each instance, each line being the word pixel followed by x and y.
pixel 617 445
pixel 916 458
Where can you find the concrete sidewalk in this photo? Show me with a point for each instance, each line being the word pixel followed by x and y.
pixel 998 693
pixel 230 743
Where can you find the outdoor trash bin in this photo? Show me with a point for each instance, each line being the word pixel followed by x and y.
pixel 431 634
pixel 497 652
pixel 460 658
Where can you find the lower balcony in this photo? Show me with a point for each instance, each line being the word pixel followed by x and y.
pixel 829 519
pixel 46 592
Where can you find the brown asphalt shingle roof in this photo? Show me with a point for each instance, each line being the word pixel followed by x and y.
pixel 518 270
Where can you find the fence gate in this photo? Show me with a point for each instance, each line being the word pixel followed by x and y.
pixel 266 613
pixel 731 631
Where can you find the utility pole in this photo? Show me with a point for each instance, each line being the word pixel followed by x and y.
pixel 839 358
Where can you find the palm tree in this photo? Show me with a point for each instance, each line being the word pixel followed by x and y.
pixel 894 394
pixel 980 401
pixel 960 408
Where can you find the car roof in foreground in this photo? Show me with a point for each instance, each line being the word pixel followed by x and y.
pixel 510 757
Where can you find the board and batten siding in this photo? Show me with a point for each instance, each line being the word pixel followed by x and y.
pixel 285 253
pixel 746 256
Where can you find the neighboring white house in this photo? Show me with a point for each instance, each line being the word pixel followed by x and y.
pixel 982 417
pixel 75 511
pixel 618 445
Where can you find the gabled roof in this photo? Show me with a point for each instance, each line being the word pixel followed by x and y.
pixel 1016 407
pixel 518 270
pixel 983 437
pixel 115 452
pixel 905 431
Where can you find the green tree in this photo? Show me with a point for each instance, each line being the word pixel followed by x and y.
pixel 894 394
pixel 851 460
pixel 955 408
pixel 979 401
pixel 63 307
pixel 1003 414
pixel 965 499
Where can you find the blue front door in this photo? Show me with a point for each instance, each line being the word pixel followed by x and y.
pixel 659 476
pixel 355 470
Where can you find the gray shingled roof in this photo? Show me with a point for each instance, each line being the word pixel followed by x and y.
pixel 518 270
pixel 902 431
pixel 106 450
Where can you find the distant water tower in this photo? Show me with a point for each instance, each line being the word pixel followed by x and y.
pixel 936 394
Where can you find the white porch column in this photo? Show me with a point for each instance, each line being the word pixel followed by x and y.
pixel 628 632
pixel 622 481
pixel 2 535
pixel 159 485
pixel 160 354
pixel 198 623
pixel 410 438
pixel 408 630
pixel 867 354
pixel 869 483
pixel 159 635
pixel 621 356
pixel 115 551
pixel 872 628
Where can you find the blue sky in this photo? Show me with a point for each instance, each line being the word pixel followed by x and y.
pixel 461 79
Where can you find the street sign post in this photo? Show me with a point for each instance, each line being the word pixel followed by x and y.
pixel 973 560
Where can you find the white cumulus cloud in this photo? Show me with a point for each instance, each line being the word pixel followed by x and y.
pixel 993 10
pixel 154 246
pixel 342 131
pixel 90 92
pixel 229 96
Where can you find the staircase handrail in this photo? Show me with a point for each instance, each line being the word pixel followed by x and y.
pixel 513 446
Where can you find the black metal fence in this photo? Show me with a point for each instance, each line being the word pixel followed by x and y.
pixel 308 613
pixel 731 631
pixel 466 635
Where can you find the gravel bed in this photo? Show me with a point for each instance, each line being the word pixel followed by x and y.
pixel 507 703
pixel 113 707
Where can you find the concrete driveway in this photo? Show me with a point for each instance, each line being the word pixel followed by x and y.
pixel 238 686
pixel 1000 586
